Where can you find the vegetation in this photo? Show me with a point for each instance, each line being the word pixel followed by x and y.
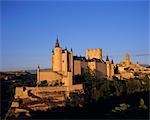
pixel 43 84
pixel 96 89
pixel 56 83
pixel 117 107
pixel 19 79
pixel 103 99
pixel 7 95
pixel 101 96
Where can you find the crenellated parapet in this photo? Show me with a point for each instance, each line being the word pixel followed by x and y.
pixel 96 53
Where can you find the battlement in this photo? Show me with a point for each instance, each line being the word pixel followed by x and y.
pixel 95 53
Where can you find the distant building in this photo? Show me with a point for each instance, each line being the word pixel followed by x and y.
pixel 65 65
pixel 127 69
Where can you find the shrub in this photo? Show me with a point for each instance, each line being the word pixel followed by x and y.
pixel 43 84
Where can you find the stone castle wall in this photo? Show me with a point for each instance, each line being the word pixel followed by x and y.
pixel 35 90
pixel 101 69
pixel 76 87
pixel 49 76
pixel 77 67
pixel 19 93
pixel 92 65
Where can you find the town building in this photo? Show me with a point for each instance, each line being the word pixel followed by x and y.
pixel 127 69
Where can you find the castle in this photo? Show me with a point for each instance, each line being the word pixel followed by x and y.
pixel 65 65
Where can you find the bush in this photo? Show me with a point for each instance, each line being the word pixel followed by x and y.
pixel 56 83
pixel 43 84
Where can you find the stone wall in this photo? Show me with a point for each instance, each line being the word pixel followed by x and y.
pixel 76 87
pixel 84 66
pixel 19 93
pixel 77 67
pixel 101 69
pixel 23 94
pixel 49 76
pixel 92 65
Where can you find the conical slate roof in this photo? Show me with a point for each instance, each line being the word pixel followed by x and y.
pixel 57 43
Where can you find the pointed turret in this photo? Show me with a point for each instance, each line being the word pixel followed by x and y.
pixel 71 50
pixel 65 48
pixel 38 67
pixel 52 50
pixel 107 59
pixel 57 43
pixel 112 62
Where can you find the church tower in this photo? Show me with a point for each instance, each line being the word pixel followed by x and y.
pixel 127 60
pixel 57 58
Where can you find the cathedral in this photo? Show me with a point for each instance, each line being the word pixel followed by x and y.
pixel 65 65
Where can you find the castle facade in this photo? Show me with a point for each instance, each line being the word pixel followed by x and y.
pixel 65 65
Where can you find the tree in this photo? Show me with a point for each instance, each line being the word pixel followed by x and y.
pixel 133 85
pixel 90 83
pixel 95 88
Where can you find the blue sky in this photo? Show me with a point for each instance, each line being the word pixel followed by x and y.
pixel 29 30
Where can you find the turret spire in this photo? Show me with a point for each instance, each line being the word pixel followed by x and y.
pixel 112 62
pixel 52 50
pixel 57 43
pixel 38 67
pixel 65 48
pixel 107 59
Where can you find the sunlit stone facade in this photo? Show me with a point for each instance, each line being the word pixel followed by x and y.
pixel 65 65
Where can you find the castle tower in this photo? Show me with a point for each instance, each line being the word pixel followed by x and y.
pixel 87 53
pixel 71 61
pixel 57 57
pixel 64 62
pixel 112 68
pixel 108 67
pixel 99 53
pixel 127 59
pixel 96 53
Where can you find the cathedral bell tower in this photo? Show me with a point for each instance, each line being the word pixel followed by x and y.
pixel 127 60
